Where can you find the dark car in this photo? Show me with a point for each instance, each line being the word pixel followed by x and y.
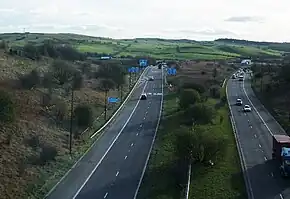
pixel 143 96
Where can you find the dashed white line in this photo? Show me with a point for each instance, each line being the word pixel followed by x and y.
pixel 265 158
pixel 140 125
pixel 117 173
pixel 132 144
pixel 255 135
pixel 106 195
pixel 144 118
pixel 281 196
pixel 125 157
pixel 137 134
pixel 260 146
pixel 251 126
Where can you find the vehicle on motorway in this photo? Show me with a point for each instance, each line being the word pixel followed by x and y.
pixel 143 96
pixel 247 108
pixel 241 78
pixel 159 66
pixel 234 76
pixel 151 78
pixel 281 152
pixel 239 102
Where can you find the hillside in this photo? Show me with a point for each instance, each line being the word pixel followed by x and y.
pixel 156 48
pixel 34 142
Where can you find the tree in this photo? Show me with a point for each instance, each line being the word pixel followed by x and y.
pixel 84 115
pixel 7 108
pixel 199 113
pixel 30 80
pixel 200 144
pixel 215 73
pixel 188 97
pixel 106 85
pixel 3 45
pixel 62 72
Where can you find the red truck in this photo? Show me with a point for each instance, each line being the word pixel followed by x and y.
pixel 281 152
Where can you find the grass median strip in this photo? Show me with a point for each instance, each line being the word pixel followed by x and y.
pixel 223 180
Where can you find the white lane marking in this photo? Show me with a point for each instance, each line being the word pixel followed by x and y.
pixel 146 113
pixel 137 134
pixel 125 157
pixel 92 145
pixel 260 146
pixel 141 125
pixel 265 158
pixel 144 118
pixel 281 196
pixel 240 151
pixel 256 110
pixel 106 195
pixel 132 144
pixel 255 135
pixel 272 174
pixel 151 147
pixel 117 173
pixel 100 161
pixel 251 126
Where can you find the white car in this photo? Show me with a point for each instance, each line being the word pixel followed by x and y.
pixel 143 96
pixel 239 102
pixel 151 78
pixel 247 108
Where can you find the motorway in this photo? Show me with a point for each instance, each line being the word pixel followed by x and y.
pixel 115 165
pixel 253 132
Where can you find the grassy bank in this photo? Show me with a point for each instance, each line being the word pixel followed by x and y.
pixel 52 172
pixel 224 180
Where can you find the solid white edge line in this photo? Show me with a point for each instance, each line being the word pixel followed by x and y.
pixel 188 182
pixel 151 147
pixel 100 161
pixel 240 151
pixel 64 176
pixel 117 111
pixel 256 110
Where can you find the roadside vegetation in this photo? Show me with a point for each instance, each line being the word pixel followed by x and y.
pixel 195 130
pixel 270 82
pixel 47 93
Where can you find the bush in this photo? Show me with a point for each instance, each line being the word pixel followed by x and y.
pixel 190 85
pixel 33 142
pixel 84 115
pixel 188 97
pixel 47 154
pixel 7 108
pixel 200 114
pixel 30 80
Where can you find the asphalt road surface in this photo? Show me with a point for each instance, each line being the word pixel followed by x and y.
pixel 254 132
pixel 113 168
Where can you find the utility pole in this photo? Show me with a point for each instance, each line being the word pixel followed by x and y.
pixel 71 122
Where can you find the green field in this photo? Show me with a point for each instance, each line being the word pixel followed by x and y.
pixel 156 48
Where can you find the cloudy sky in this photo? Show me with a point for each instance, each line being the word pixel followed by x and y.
pixel 262 20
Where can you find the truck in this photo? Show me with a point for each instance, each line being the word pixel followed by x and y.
pixel 281 153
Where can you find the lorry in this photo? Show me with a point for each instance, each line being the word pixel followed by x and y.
pixel 281 153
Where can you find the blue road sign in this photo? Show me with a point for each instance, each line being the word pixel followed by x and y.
pixel 171 71
pixel 113 99
pixel 133 70
pixel 143 62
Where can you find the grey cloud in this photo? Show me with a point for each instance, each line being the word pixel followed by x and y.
pixel 244 19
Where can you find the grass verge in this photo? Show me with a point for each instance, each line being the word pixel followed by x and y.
pixel 224 180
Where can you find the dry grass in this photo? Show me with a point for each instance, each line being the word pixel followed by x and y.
pixel 17 174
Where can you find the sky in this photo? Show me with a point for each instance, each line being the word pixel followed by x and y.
pixel 259 20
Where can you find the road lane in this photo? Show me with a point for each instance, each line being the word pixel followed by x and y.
pixel 69 185
pixel 123 165
pixel 256 145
